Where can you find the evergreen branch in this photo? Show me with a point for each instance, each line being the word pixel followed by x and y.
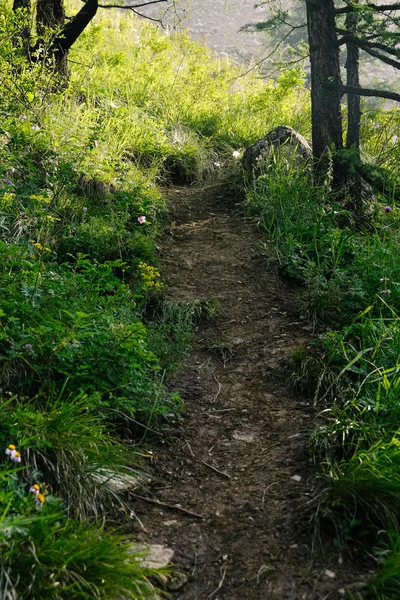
pixel 358 91
pixel 383 58
pixel 376 7
pixel 364 44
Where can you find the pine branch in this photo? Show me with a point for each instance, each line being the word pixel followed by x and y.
pixel 383 58
pixel 358 91
pixel 376 7
pixel 364 44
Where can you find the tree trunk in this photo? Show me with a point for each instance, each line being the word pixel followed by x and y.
pixel 353 79
pixel 325 102
pixel 50 16
pixel 74 28
pixel 24 35
pixel 354 179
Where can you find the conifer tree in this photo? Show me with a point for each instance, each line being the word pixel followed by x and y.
pixel 362 29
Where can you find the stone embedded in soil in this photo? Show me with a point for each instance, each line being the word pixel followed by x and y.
pixel 158 556
pixel 117 482
pixel 244 437
pixel 330 574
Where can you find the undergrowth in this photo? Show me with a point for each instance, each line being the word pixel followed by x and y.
pixel 87 333
pixel 351 280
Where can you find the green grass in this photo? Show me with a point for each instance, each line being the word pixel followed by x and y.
pixel 351 281
pixel 386 584
pixel 44 555
pixel 87 333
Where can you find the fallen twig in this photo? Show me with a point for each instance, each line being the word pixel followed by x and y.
pixel 216 470
pixel 224 568
pixel 265 491
pixel 190 448
pixel 219 389
pixel 166 505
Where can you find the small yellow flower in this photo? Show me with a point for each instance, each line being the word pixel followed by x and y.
pixel 35 489
pixel 150 276
pixel 39 501
pixel 7 199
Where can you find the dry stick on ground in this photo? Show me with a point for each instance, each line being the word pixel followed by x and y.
pixel 190 448
pixel 224 568
pixel 219 389
pixel 166 505
pixel 215 469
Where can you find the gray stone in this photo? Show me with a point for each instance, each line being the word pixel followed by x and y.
pixel 281 136
pixel 117 482
pixel 156 557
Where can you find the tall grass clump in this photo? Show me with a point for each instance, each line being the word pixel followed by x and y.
pixel 386 584
pixel 44 555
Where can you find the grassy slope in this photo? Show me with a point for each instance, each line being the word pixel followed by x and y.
pixel 79 275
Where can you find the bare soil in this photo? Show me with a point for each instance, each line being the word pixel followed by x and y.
pixel 238 458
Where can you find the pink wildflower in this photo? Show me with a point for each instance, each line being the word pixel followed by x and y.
pixel 141 219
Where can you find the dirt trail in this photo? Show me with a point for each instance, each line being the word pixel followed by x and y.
pixel 238 457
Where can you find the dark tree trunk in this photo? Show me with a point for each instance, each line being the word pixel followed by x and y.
pixel 353 79
pixel 325 72
pixel 354 179
pixel 50 15
pixel 24 35
pixel 74 28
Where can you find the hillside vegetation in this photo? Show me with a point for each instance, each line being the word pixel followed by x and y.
pixel 88 338
pixel 351 279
